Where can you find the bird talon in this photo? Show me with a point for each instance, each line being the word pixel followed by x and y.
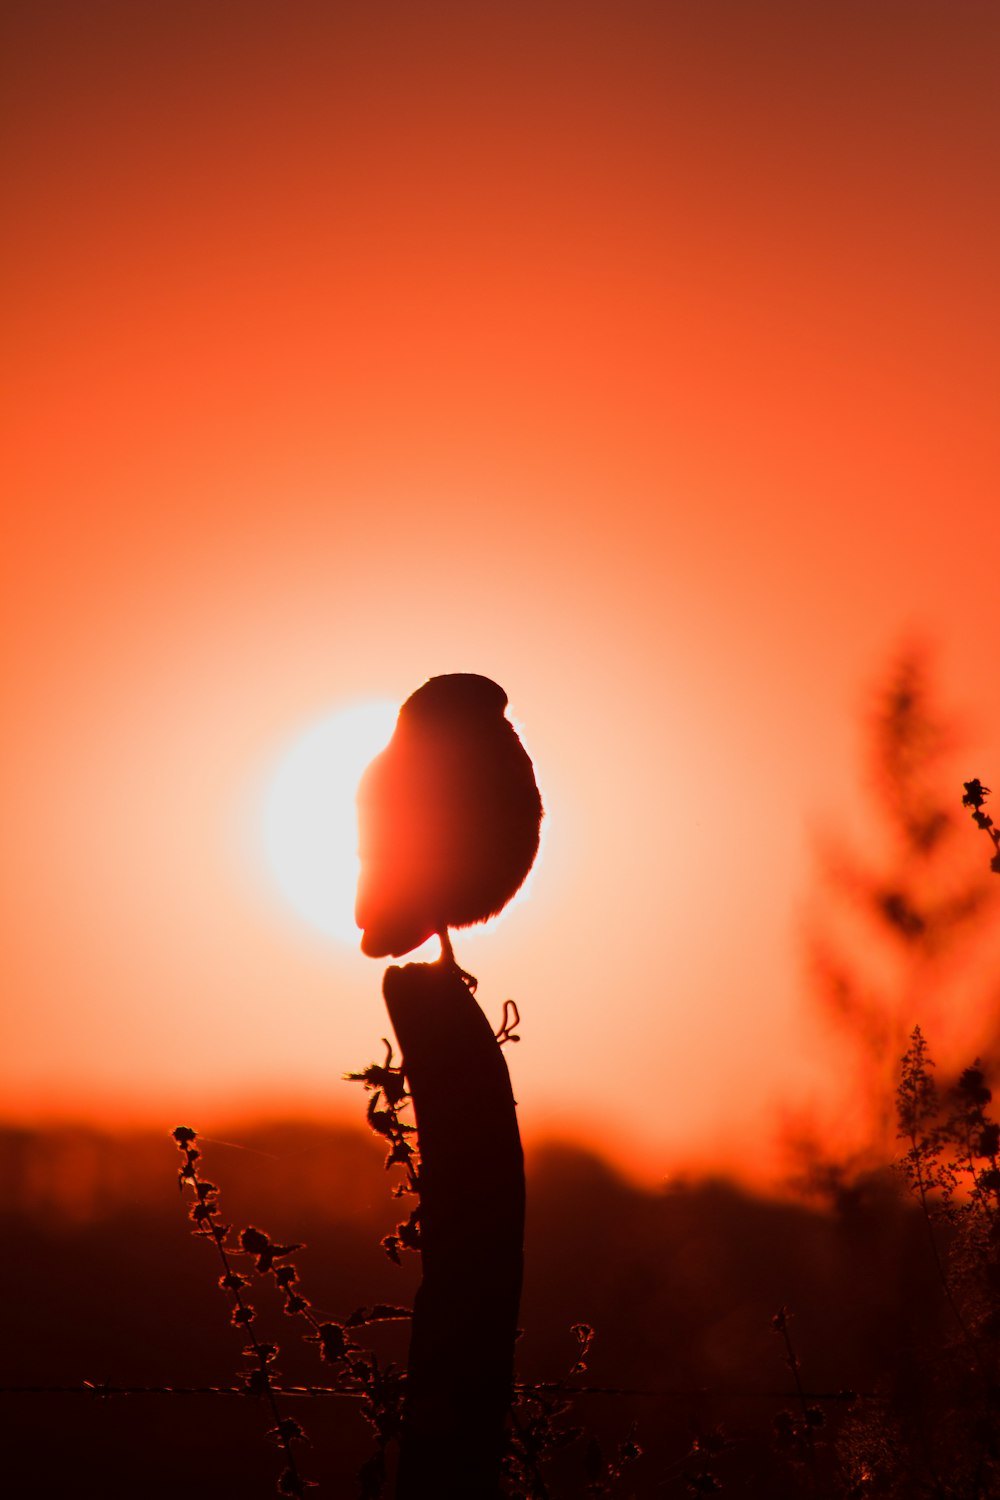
pixel 448 961
pixel 467 979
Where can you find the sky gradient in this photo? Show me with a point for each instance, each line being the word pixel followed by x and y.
pixel 641 357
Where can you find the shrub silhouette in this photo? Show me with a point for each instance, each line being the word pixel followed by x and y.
pixel 937 1432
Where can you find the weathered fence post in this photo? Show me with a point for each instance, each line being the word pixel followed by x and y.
pixel 460 1376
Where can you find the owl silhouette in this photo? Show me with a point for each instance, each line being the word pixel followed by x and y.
pixel 448 818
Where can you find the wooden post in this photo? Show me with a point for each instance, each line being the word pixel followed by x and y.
pixel 460 1377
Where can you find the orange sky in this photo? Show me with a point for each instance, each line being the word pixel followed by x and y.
pixel 643 357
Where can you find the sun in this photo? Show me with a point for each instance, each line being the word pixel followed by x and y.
pixel 309 824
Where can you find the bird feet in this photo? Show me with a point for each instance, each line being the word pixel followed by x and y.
pixel 467 979
pixel 448 961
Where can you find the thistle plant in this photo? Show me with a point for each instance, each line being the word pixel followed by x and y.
pixel 974 795
pixel 389 1097
pixel 354 1370
pixel 259 1377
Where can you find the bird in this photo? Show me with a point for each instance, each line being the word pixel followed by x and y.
pixel 449 818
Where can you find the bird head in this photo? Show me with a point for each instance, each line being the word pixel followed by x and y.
pixel 455 695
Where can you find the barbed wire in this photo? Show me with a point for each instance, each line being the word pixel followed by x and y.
pixel 103 1389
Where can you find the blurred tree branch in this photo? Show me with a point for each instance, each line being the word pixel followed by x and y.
pixel 896 920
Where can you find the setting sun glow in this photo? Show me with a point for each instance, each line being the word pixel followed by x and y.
pixel 309 823
pixel 641 358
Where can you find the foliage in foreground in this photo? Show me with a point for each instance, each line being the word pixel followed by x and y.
pixel 541 1418
pixel 936 1431
pixel 930 1428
